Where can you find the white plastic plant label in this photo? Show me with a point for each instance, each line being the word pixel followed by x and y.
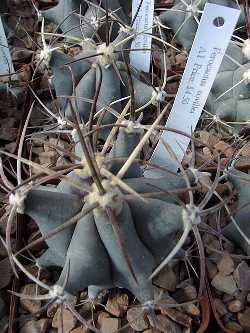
pixel 143 23
pixel 6 65
pixel 211 41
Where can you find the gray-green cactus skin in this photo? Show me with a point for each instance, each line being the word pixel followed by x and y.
pixel 87 77
pixel 111 90
pixel 62 76
pixel 37 207
pixel 86 73
pixel 240 210
pixel 120 7
pixel 182 22
pixel 234 105
pixel 143 93
pixel 97 73
pixel 180 18
pixel 123 147
pixel 66 15
pixel 90 250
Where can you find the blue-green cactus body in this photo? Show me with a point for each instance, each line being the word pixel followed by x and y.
pixel 157 223
pixel 233 105
pixel 65 15
pixel 88 261
pixel 50 208
pixel 119 8
pixel 91 251
pixel 85 89
pixel 142 261
pixel 183 19
pixel 143 93
pixel 123 147
pixel 241 209
pixel 110 91
pixel 62 76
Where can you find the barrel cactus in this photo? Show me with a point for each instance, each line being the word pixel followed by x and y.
pixel 78 19
pixel 123 237
pixel 98 72
pixel 183 19
pixel 229 97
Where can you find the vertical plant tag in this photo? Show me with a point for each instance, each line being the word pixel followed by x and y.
pixel 6 65
pixel 211 41
pixel 143 23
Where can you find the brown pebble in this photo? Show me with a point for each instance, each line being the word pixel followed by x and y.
pixel 80 329
pixel 35 326
pixel 31 306
pixel 224 148
pixel 48 157
pixel 42 272
pixel 180 60
pixel 245 150
pixel 164 324
pixel 242 276
pixel 225 284
pixel 187 330
pixel 137 319
pixel 117 305
pixel 244 318
pixel 166 279
pixel 126 328
pixel 191 309
pixel 69 320
pixel 235 306
pixel 101 315
pixel 228 246
pixel 227 298
pixel 185 294
pixel 109 325
pixel 234 326
pixel 220 307
pixel 177 315
pixel 225 265
pixel 207 153
pixel 211 269
pixel 208 138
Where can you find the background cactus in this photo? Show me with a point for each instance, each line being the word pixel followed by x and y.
pixel 229 96
pixel 141 230
pixel 184 17
pixel 240 182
